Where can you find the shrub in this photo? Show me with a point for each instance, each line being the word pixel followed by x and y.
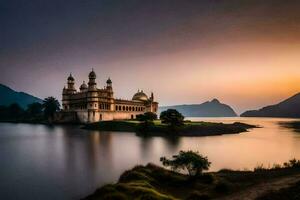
pixel 293 163
pixel 259 168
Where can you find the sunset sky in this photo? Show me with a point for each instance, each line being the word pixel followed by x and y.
pixel 246 53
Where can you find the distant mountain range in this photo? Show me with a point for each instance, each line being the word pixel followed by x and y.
pixel 287 108
pixel 207 109
pixel 9 96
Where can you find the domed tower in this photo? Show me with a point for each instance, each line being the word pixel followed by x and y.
pixel 140 96
pixel 110 94
pixel 83 87
pixel 109 86
pixel 92 80
pixel 71 82
pixel 92 98
pixel 68 91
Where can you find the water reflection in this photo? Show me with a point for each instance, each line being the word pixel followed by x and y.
pixel 65 162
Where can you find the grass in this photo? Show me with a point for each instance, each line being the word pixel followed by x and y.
pixel 160 129
pixel 156 183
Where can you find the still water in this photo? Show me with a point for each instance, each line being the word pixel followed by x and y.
pixel 65 162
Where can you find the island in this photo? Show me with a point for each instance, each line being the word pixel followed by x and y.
pixel 158 128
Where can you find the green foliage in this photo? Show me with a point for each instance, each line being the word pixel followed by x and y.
pixel 148 116
pixel 146 120
pixel 34 109
pixel 172 117
pixel 191 161
pixel 16 113
pixel 51 106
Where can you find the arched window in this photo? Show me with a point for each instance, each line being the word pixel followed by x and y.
pixel 126 108
pixel 130 108
pixel 117 107
pixel 123 108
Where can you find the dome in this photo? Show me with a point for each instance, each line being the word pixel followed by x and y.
pixel 70 78
pixel 92 74
pixel 140 96
pixel 83 86
pixel 109 81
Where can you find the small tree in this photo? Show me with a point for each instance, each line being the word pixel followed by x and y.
pixel 51 106
pixel 34 109
pixel 172 117
pixel 146 119
pixel 191 161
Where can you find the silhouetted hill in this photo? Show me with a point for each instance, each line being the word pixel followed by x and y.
pixel 287 108
pixel 9 96
pixel 207 109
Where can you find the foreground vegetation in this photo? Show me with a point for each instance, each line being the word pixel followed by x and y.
pixel 160 129
pixel 156 183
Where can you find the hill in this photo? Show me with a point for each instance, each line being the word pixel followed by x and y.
pixel 9 96
pixel 207 109
pixel 287 108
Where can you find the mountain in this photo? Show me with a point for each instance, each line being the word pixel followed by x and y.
pixel 207 109
pixel 9 96
pixel 287 108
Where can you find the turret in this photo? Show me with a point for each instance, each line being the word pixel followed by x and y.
pixel 83 87
pixel 109 83
pixel 92 91
pixel 152 97
pixel 92 80
pixel 109 86
pixel 71 82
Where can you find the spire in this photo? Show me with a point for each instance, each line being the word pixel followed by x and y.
pixel 152 96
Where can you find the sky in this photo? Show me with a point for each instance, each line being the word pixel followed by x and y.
pixel 246 53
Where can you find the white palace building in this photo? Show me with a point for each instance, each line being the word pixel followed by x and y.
pixel 91 104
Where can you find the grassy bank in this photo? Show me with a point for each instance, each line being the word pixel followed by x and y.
pixel 156 183
pixel 160 129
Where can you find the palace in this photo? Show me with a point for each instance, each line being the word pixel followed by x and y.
pixel 92 104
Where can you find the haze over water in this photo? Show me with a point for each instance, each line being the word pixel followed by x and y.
pixel 65 162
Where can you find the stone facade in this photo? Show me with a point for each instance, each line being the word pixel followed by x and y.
pixel 91 104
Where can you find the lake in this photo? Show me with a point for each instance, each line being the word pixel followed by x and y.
pixel 66 162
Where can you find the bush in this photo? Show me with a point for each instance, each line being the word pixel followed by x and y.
pixel 293 163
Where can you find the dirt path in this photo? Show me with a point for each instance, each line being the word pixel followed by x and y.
pixel 258 190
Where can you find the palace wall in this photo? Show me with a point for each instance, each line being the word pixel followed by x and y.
pixel 88 117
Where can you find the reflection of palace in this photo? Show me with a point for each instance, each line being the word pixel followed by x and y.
pixel 91 104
